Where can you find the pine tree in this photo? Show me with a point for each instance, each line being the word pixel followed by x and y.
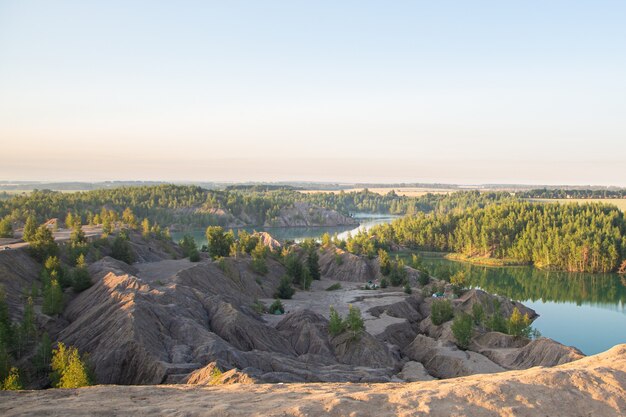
pixel 30 229
pixel 52 298
pixel 314 265
pixel 335 323
pixel 43 355
pixel 6 228
pixel 81 280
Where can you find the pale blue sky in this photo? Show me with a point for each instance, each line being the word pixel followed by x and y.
pixel 446 91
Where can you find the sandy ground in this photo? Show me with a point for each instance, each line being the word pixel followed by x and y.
pixel 593 386
pixel 162 270
pixel 319 300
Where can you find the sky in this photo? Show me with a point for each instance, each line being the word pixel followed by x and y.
pixel 528 92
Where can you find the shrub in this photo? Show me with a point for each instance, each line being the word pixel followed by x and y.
pixel 284 290
pixel 277 306
pixel 384 283
pixel 259 307
pixel 335 323
pixel 424 277
pixel 12 381
pixel 407 288
pixel 497 323
pixel 338 259
pixel 334 287
pixel 440 312
pixel 462 327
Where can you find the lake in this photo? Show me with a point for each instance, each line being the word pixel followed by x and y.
pixel 587 311
pixel 366 221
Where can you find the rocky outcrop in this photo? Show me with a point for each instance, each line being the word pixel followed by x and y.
pixel 307 215
pixel 268 241
pixel 444 360
pixel 340 265
pixel 18 272
pixel 211 374
pixel 414 371
pixel 362 350
pixel 307 333
pixel 489 303
pixel 542 352
pixel 592 386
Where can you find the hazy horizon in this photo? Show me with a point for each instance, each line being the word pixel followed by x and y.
pixel 450 92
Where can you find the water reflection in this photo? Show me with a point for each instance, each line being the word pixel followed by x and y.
pixel 531 284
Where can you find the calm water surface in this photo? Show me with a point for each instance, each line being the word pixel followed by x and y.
pixel 587 311
pixel 366 221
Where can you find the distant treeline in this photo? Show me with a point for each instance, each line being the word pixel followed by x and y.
pixel 581 238
pixel 195 206
pixel 559 193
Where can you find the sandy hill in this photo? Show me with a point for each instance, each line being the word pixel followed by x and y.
pixel 593 386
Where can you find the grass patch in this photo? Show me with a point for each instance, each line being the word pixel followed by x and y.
pixel 334 287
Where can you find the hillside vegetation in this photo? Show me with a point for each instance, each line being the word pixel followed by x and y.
pixel 578 238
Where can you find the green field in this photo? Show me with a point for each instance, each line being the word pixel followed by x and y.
pixel 620 203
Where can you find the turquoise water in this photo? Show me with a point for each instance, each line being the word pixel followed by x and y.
pixel 587 311
pixel 366 221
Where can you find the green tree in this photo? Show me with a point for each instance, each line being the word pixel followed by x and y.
pixel 218 242
pixel 27 330
pixel 384 261
pixel 326 240
pixel 190 248
pixel 107 227
pixel 68 368
pixel 128 217
pixel 81 280
pixel 43 245
pixel 259 264
pixel 440 311
pixel 354 322
pixel 145 228
pixel 12 381
pixel 519 325
pixel 43 355
pixel 478 313
pixel 52 298
pixel 284 290
pixel 277 307
pixel 462 328
pixel 6 227
pixel 30 229
pixel 313 264
pixel 335 323
pixel 121 250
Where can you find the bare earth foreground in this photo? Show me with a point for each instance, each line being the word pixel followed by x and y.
pixel 593 386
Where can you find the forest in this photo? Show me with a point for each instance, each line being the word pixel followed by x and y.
pixel 561 193
pixel 194 206
pixel 577 238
